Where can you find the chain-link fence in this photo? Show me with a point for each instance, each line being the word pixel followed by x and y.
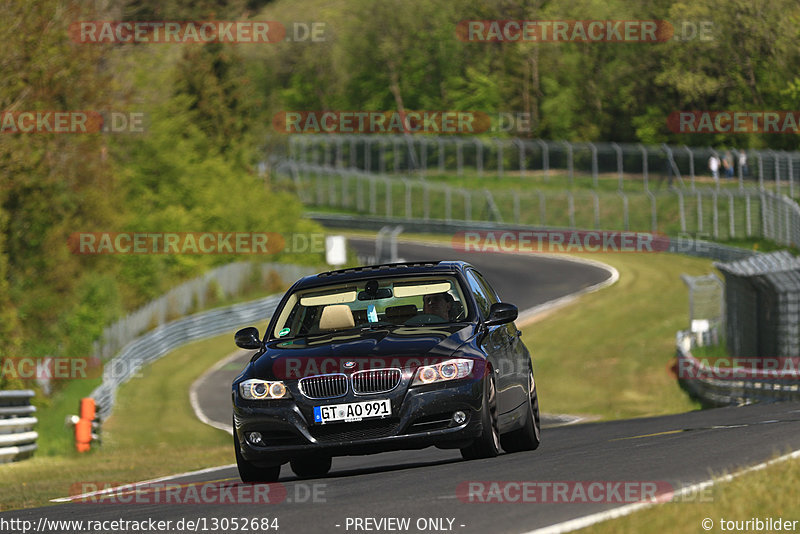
pixel 623 166
pixel 763 306
pixel 704 212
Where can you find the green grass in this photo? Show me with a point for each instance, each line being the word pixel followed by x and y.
pixel 769 492
pixel 608 354
pixel 152 432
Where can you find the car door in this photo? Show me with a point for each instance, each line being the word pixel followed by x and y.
pixel 494 343
pixel 516 353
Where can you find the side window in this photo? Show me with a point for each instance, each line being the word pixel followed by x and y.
pixel 478 291
pixel 490 292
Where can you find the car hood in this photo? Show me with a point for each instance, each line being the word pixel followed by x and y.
pixel 347 351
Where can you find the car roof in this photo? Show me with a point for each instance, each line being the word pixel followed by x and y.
pixel 381 270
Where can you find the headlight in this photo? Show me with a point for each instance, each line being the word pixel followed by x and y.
pixel 449 370
pixel 255 389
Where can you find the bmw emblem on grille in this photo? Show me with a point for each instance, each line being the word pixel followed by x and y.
pixel 349 364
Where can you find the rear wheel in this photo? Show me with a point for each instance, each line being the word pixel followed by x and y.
pixel 528 437
pixel 311 466
pixel 487 445
pixel 250 472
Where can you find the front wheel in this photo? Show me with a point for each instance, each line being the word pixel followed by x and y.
pixel 528 437
pixel 252 473
pixel 487 445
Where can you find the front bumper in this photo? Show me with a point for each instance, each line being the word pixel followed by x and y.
pixel 421 417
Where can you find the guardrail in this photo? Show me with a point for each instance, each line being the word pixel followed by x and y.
pixel 715 386
pixel 17 437
pixel 158 342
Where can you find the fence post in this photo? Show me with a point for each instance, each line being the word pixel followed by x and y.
pixel 448 204
pixel 645 167
pixel 545 159
pixel 373 195
pixel 521 144
pixel 499 145
pixel 570 169
pixel 731 216
pixel 441 155
pixel 542 209
pixel 426 201
pixel 691 164
pixel 388 184
pixel 681 209
pixel 409 215
pixel 594 164
pixel 777 172
pixel 699 212
pixel 479 157
pixel 459 157
pixel 625 216
pixel 618 149
pixel 748 215
pixel 653 212
pixel 516 206
pixel 571 209
pixel 760 170
pixel 791 175
pixel 596 205
pixel 715 213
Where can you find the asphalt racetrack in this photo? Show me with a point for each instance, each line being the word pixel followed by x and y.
pixel 433 490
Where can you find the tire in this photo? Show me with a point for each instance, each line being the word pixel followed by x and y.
pixel 251 473
pixel 311 466
pixel 528 437
pixel 487 445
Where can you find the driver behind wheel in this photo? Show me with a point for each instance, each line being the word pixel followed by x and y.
pixel 438 304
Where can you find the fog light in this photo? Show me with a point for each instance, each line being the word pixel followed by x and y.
pixel 459 417
pixel 255 438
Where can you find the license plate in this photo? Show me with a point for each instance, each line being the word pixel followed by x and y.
pixel 353 411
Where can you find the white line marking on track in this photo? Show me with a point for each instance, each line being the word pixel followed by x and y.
pixel 621 511
pixel 142 483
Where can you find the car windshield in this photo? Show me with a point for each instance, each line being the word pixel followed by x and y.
pixel 371 303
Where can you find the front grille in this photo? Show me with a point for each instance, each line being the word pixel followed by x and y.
pixel 354 431
pixel 324 386
pixel 276 438
pixel 376 380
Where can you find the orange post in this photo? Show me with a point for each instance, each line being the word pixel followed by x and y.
pixel 83 428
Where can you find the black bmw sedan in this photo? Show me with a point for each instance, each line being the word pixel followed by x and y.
pixel 380 358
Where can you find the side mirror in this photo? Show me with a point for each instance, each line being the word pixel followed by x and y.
pixel 501 313
pixel 247 338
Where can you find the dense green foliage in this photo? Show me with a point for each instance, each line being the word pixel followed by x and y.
pixel 209 109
